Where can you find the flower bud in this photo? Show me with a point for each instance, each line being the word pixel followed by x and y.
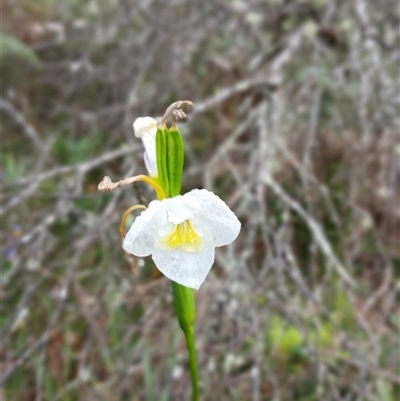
pixel 170 155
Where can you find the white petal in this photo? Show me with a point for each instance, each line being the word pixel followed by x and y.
pixel 187 268
pixel 179 211
pixel 146 129
pixel 145 230
pixel 145 126
pixel 150 159
pixel 211 212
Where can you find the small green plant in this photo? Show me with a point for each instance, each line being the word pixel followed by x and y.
pixel 286 340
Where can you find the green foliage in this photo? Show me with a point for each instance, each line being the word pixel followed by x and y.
pixel 286 339
pixel 150 382
pixel 323 336
pixel 70 150
pixel 13 170
pixel 384 390
pixel 148 374
pixel 342 310
pixel 320 74
pixel 12 47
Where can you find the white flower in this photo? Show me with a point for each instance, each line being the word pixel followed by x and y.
pixel 181 234
pixel 146 128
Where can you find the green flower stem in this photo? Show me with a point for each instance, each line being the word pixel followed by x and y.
pixel 170 155
pixel 186 313
pixel 192 363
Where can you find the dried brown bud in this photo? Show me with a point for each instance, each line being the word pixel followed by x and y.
pixel 177 111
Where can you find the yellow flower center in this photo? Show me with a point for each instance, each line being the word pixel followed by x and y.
pixel 184 235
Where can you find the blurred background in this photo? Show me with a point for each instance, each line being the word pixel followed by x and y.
pixel 295 126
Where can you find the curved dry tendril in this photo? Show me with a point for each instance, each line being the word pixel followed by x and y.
pixel 177 111
pixel 124 217
pixel 106 185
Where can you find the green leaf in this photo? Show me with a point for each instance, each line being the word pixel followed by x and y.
pixel 12 46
